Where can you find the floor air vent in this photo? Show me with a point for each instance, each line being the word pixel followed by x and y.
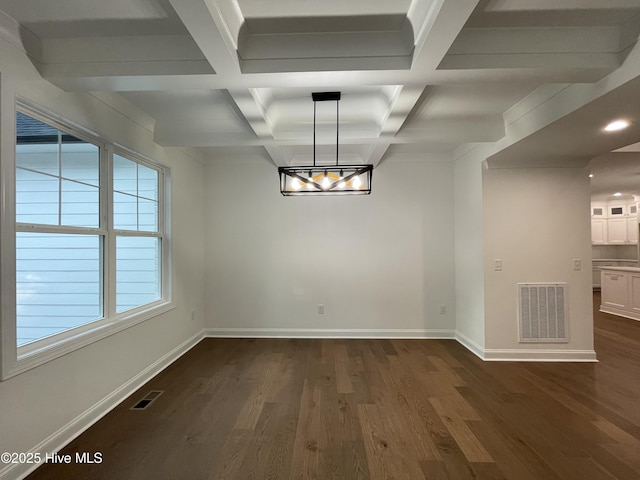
pixel 542 311
pixel 147 400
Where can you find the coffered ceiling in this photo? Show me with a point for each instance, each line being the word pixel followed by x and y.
pixel 233 78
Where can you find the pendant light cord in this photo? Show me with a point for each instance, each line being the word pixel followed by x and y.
pixel 337 128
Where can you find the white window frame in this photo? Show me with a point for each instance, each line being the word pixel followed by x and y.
pixel 16 360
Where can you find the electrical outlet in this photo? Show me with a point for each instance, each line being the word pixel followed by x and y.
pixel 320 309
pixel 443 309
pixel 577 264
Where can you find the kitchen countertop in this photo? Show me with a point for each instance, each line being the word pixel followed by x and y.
pixel 622 269
pixel 614 260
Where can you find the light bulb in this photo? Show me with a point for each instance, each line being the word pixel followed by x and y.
pixel 326 183
pixel 357 182
pixel 295 184
pixel 309 184
pixel 342 184
pixel 616 125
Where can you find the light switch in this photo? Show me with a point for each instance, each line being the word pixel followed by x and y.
pixel 497 264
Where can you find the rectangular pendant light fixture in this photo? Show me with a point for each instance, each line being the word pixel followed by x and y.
pixel 325 179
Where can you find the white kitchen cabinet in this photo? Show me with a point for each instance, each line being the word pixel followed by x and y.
pixel 621 291
pixel 615 290
pixel 614 223
pixel 617 231
pixel 633 300
pixel 598 265
pixel 632 230
pixel 599 231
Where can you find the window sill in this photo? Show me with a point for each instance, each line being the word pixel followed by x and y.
pixel 29 357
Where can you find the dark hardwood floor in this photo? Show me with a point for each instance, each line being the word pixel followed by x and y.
pixel 378 409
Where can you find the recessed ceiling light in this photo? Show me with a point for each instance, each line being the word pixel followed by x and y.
pixel 591 175
pixel 617 194
pixel 616 125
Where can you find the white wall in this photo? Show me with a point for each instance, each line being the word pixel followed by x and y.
pixel 36 404
pixel 469 248
pixel 537 221
pixel 383 261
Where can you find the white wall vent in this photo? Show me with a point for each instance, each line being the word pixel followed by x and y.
pixel 542 312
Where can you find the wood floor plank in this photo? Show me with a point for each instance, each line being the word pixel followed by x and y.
pixel 265 383
pixel 343 378
pixel 304 461
pixel 354 461
pixel 386 450
pixel 231 456
pixel 469 444
pixel 418 420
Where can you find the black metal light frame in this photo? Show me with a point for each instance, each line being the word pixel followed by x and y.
pixel 326 179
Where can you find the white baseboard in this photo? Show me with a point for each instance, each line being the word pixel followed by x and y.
pixel 56 441
pixel 470 345
pixel 326 333
pixel 513 355
pixel 620 312
pixel 539 355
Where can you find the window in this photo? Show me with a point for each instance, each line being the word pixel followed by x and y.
pixel 91 254
pixel 58 237
pixel 138 246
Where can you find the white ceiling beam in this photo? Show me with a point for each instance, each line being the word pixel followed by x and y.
pixel 276 155
pixel 252 108
pixel 441 25
pixel 93 78
pixel 528 5
pixel 205 22
pixel 164 135
pixel 400 106
pixel 20 38
pixel 79 76
pixel 595 62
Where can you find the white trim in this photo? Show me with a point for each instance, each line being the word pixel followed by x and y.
pixel 539 355
pixel 72 340
pixel 470 345
pixel 8 347
pixel 620 312
pixel 57 440
pixel 327 333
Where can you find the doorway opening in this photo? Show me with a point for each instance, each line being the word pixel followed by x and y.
pixel 615 217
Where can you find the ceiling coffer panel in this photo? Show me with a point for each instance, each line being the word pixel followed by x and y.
pixel 378 42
